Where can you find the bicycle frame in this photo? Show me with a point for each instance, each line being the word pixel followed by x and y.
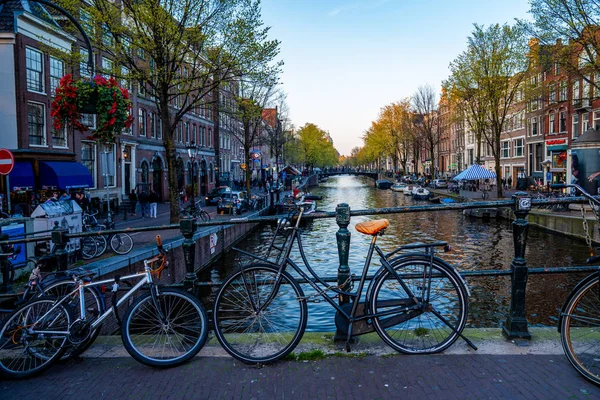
pixel 414 305
pixel 146 277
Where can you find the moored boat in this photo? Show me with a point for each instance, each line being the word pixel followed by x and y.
pixel 383 184
pixel 419 193
pixel 398 187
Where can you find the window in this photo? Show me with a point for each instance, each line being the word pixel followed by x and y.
pixel 141 53
pixel 86 22
pixel 141 89
pixel 194 136
pixel 202 136
pixel 88 158
pixel 126 43
pixel 187 132
pixel 89 120
pixel 112 161
pixel 33 63
pixel 533 126
pixel 57 70
pixel 519 147
pixel 107 66
pixel 505 149
pixel 59 137
pixel 539 155
pixel 142 122
pixel 107 37
pixel 159 128
pixel 575 124
pixel 210 141
pixel 556 68
pixel 125 82
pixel 84 67
pixel 563 122
pixel 587 94
pixel 576 97
pixel 36 120
pixel 552 94
pixel 585 118
pixel 563 91
pixel 552 124
pixel 596 119
pixel 179 133
pixel 153 125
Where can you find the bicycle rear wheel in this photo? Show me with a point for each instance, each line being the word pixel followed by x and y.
pixel 167 337
pixel 257 321
pixel 23 353
pixel 121 243
pixel 580 330
pixel 204 216
pixel 94 306
pixel 434 324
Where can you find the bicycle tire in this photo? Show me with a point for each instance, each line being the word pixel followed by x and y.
pixel 156 343
pixel 425 332
pixel 22 354
pixel 61 287
pixel 101 243
pixel 89 248
pixel 253 337
pixel 579 330
pixel 121 243
pixel 204 216
pixel 485 195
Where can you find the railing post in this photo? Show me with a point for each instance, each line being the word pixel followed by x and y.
pixel 60 241
pixel 342 217
pixel 516 323
pixel 188 228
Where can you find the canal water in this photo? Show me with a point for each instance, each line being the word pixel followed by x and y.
pixel 476 245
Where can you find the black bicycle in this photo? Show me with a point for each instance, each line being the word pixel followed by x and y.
pixel 579 321
pixel 416 302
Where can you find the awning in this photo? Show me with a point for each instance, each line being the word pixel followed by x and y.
pixel 64 175
pixel 475 172
pixel 21 177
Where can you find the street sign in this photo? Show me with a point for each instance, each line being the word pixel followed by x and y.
pixel 7 161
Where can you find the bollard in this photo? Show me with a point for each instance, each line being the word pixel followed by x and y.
pixel 60 241
pixel 516 323
pixel 188 228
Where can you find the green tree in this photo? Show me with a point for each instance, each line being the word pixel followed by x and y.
pixel 179 53
pixel 490 74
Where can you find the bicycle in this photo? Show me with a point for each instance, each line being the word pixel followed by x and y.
pixel 416 302
pixel 120 243
pixel 199 213
pixel 163 327
pixel 579 320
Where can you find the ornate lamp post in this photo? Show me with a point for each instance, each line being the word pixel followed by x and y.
pixel 192 150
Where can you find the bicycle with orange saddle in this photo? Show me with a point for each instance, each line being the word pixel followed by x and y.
pixel 416 302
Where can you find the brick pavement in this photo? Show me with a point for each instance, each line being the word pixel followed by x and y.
pixel 370 377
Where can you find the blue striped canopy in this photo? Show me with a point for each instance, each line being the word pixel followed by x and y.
pixel 475 172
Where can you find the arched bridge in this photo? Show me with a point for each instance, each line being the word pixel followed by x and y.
pixel 370 174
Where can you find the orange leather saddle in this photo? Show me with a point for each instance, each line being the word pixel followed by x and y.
pixel 372 227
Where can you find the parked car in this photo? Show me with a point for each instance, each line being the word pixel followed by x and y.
pixel 213 196
pixel 440 184
pixel 233 202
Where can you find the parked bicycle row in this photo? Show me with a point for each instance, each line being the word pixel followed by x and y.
pixel 95 246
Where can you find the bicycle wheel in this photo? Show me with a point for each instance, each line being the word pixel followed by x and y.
pixel 121 243
pixel 257 321
pixel 436 323
pixel 24 353
pixel 165 341
pixel 580 330
pixel 485 195
pixel 94 306
pixel 204 216
pixel 101 244
pixel 89 247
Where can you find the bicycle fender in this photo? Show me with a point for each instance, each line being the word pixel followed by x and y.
pixel 583 282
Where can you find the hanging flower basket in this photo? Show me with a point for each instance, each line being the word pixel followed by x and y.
pixel 100 96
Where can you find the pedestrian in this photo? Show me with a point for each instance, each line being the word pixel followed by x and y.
pixel 503 182
pixel 509 182
pixel 143 199
pixel 153 199
pixel 53 198
pixel 133 199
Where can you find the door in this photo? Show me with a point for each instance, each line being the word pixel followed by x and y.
pixel 157 177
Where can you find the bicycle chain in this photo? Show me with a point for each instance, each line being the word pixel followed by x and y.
pixel 322 293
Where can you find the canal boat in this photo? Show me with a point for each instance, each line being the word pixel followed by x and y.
pixel 420 193
pixel 408 190
pixel 323 179
pixel 399 187
pixel 383 184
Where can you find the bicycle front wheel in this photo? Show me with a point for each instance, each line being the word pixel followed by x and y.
pixel 25 349
pixel 121 243
pixel 580 330
pixel 166 332
pixel 433 323
pixel 258 320
pixel 89 247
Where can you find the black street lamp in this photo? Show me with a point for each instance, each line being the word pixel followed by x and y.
pixel 192 150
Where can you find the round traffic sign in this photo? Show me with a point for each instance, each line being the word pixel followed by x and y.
pixel 7 161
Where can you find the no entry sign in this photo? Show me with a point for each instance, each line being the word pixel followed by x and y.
pixel 7 161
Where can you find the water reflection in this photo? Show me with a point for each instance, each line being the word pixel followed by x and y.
pixel 477 245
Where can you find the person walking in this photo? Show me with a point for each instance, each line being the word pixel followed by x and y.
pixel 143 199
pixel 153 199
pixel 509 182
pixel 133 199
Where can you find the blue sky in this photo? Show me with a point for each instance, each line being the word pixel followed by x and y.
pixel 345 59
